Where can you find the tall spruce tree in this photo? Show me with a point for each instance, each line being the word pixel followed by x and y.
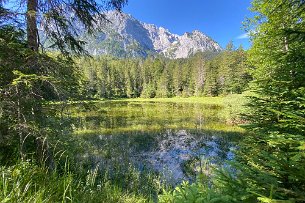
pixel 57 19
pixel 31 73
pixel 273 155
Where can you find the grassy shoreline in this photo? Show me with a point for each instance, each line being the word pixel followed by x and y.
pixel 199 100
pixel 219 100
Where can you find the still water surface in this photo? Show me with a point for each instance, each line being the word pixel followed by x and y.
pixel 176 140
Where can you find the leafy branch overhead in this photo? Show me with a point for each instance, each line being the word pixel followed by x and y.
pixel 57 20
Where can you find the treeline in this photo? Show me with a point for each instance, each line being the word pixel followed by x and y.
pixel 205 74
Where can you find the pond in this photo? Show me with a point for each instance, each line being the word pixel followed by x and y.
pixel 175 140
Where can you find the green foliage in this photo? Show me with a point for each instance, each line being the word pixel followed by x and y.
pixel 270 161
pixel 25 182
pixel 272 156
pixel 199 192
pixel 32 129
pixel 28 81
pixel 148 91
pixel 235 108
pixel 59 28
pixel 203 74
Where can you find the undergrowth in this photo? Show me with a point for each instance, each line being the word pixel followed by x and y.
pixel 27 182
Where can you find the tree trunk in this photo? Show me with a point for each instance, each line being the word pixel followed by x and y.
pixel 32 31
pixel 21 136
pixel 44 155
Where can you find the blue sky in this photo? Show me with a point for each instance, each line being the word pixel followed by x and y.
pixel 219 19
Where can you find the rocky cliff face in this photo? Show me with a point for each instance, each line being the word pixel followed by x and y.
pixel 125 36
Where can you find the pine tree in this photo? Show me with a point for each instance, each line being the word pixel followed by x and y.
pixel 273 155
pixel 57 19
pixel 199 74
pixel 32 71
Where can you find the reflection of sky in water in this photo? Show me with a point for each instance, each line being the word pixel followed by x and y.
pixel 177 148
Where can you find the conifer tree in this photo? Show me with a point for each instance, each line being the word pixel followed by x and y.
pixel 273 156
pixel 33 72
pixel 57 18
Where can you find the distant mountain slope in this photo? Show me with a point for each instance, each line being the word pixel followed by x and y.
pixel 125 36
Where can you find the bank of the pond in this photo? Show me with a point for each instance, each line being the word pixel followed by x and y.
pixel 199 100
pixel 233 105
pixel 218 100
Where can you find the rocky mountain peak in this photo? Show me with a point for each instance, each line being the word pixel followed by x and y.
pixel 126 36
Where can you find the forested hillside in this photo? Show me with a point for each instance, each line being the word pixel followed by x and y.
pixel 205 74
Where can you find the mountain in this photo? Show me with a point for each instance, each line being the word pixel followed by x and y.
pixel 125 36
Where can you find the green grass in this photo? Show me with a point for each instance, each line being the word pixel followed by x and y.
pixel 198 100
pixel 26 182
pixel 156 114
pixel 233 104
pixel 156 128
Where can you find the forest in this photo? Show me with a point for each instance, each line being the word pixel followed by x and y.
pixel 230 125
pixel 205 74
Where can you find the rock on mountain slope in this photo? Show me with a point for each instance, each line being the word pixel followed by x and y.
pixel 125 36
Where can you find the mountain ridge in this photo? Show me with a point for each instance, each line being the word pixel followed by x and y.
pixel 125 36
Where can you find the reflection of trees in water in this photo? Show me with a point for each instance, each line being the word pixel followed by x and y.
pixel 149 135
pixel 146 115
